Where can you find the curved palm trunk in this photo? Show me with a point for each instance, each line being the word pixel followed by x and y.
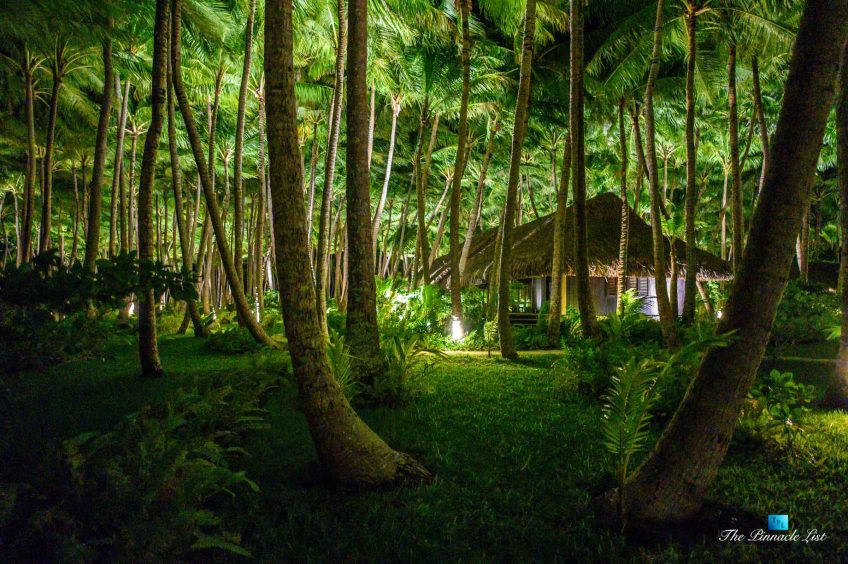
pixel 361 292
pixel 624 238
pixel 185 251
pixel 333 124
pixel 671 484
pixel 669 329
pixel 92 242
pixel 118 165
pixel 478 200
pixel 238 208
pixel 350 452
pixel 148 349
pixel 558 258
pixel 691 186
pixel 518 133
pixel 802 243
pixel 837 391
pixel 313 165
pixel 213 210
pixel 761 123
pixel 576 128
pixel 458 173
pixel 381 203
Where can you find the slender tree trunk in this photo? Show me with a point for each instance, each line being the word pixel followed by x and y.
pixel 148 348
pixel 191 305
pixel 25 243
pixel 672 482
pixel 378 214
pixel 421 192
pixel 440 230
pixel 350 452
pixel 691 186
pixel 802 244
pixel 132 234
pixel 92 243
pixel 75 228
pixel 735 174
pixel 669 328
pixel 238 213
pixel 576 128
pixel 57 71
pixel 558 257
pixel 214 214
pixel 624 238
pixel 313 165
pixel 837 391
pixel 363 335
pixel 518 133
pixel 333 127
pixel 761 121
pixel 458 173
pixel 372 123
pixel 474 217
pixel 118 166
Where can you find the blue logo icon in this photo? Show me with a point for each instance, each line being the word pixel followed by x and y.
pixel 778 522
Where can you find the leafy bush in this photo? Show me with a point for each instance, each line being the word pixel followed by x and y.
pixel 404 360
pixel 340 364
pixel 805 314
pixel 162 485
pixel 776 405
pixel 231 339
pixel 50 311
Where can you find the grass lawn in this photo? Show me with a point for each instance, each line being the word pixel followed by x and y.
pixel 515 448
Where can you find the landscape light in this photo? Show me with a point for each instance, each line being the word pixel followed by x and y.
pixel 457 331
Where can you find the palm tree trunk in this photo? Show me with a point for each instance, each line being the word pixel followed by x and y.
pixel 802 245
pixel 363 335
pixel 75 228
pixel 474 217
pixel 669 329
pixel 735 174
pixel 132 234
pixel 381 203
pixel 458 173
pixel 313 165
pixel 576 128
pixel 440 230
pixel 118 165
pixel 92 243
pixel 213 210
pixel 558 257
pixel 350 452
pixel 518 133
pixel 671 484
pixel 761 122
pixel 421 192
pixel 691 186
pixel 185 233
pixel 25 242
pixel 238 213
pixel 57 72
pixel 333 127
pixel 624 238
pixel 837 391
pixel 148 348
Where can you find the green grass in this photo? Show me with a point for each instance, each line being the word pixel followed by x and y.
pixel 514 446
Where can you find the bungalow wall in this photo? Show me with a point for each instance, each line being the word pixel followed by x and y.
pixel 603 291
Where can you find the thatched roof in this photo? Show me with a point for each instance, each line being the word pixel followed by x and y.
pixel 532 248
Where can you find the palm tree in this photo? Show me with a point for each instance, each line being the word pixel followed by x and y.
pixel 578 178
pixel 518 132
pixel 92 240
pixel 364 337
pixel 459 170
pixel 203 169
pixel 148 348
pixel 660 266
pixel 691 14
pixel 348 449
pixel 558 257
pixel 670 485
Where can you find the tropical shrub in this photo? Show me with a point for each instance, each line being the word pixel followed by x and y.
pixel 805 314
pixel 340 364
pixel 231 339
pixel 776 405
pixel 405 361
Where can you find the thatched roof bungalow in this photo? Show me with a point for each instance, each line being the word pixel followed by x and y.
pixel 532 255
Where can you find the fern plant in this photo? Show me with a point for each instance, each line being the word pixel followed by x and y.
pixel 340 364
pixel 626 415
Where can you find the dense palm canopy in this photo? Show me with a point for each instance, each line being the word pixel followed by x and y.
pixel 317 145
